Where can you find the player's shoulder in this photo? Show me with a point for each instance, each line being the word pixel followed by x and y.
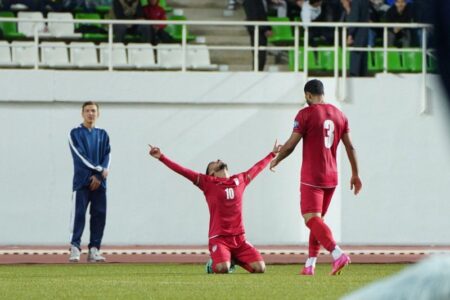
pixel 334 109
pixel 76 129
pixel 101 130
pixel 304 110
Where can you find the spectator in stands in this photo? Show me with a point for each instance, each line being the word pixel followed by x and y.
pixel 332 10
pixel 400 12
pixel 153 11
pixel 256 10
pixel 129 10
pixel 377 11
pixel 312 12
pixel 280 6
pixel 294 8
pixel 358 37
pixel 345 12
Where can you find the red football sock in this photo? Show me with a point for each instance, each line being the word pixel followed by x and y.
pixel 322 233
pixel 314 246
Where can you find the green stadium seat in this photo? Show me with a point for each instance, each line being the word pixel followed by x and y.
pixel 314 60
pixel 176 30
pixel 102 9
pixel 413 61
pixel 9 29
pixel 163 4
pixel 375 61
pixel 281 35
pixel 95 37
pixel 396 62
pixel 327 60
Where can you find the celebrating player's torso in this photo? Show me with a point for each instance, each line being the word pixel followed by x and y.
pixel 322 127
pixel 224 198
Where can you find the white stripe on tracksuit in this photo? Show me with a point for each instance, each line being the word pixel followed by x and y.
pixel 84 160
pixel 72 213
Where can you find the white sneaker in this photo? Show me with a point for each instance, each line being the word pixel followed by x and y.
pixel 74 254
pixel 94 255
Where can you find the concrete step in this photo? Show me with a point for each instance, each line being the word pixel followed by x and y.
pixel 206 13
pixel 230 57
pixel 226 31
pixel 227 40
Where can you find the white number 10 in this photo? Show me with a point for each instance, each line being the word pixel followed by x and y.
pixel 328 125
pixel 230 193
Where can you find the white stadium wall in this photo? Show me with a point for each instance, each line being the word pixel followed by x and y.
pixel 198 117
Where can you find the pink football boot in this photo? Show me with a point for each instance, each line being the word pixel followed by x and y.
pixel 307 271
pixel 339 264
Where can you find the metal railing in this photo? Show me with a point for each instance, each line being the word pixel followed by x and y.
pixel 343 27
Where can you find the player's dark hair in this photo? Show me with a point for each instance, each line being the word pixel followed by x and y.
pixel 207 168
pixel 89 103
pixel 311 2
pixel 314 87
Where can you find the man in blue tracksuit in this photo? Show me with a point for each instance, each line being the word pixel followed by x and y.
pixel 91 157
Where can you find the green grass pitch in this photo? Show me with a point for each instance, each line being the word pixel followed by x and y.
pixel 181 281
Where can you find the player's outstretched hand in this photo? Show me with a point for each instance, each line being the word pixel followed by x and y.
pixel 276 147
pixel 154 151
pixel 355 184
pixel 273 164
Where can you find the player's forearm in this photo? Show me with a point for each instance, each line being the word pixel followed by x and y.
pixel 259 166
pixel 351 153
pixel 106 161
pixel 285 151
pixel 189 174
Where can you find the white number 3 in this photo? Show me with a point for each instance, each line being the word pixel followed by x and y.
pixel 230 193
pixel 328 125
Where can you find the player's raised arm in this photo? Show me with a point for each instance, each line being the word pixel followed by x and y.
pixel 189 174
pixel 259 166
pixel 355 181
pixel 286 149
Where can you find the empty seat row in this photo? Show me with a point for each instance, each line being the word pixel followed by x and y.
pixel 85 55
pixel 25 28
pixel 31 22
pixel 396 61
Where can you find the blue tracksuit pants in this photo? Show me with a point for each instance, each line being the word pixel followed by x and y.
pixel 96 200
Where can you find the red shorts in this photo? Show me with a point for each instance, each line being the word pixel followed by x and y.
pixel 315 199
pixel 225 248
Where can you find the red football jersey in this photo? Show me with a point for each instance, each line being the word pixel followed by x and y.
pixel 321 127
pixel 223 195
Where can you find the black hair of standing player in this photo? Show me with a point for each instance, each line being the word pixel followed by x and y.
pixel 314 86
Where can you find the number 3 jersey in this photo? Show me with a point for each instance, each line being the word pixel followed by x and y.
pixel 223 195
pixel 321 127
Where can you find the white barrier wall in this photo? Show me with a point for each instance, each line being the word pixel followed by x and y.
pixel 198 117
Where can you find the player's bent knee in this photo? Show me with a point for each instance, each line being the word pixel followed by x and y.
pixel 259 267
pixel 221 268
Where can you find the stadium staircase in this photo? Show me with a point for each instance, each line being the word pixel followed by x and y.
pixel 237 60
